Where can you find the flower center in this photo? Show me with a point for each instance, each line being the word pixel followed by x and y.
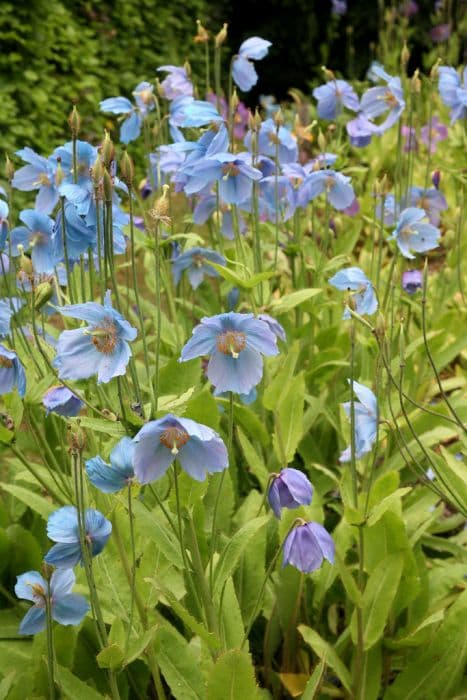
pixel 5 362
pixel 390 99
pixel 423 203
pixel 105 337
pixel 330 183
pixel 37 238
pixel 43 179
pixel 146 96
pixel 198 260
pixel 230 169
pixel 231 343
pixel 173 438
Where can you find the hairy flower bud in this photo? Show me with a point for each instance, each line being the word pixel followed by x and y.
pixel 221 36
pixel 74 120
pixel 43 293
pixel 107 150
pixel 97 172
pixel 127 169
pixel 405 55
pixel 9 169
pixel 202 34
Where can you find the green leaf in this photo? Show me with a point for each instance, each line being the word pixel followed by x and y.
pixel 237 279
pixel 455 473
pixel 389 503
pixel 157 531
pixel 179 665
pixel 379 594
pixel 33 500
pixel 73 688
pixel 290 301
pixel 348 581
pixel 187 618
pixel 233 677
pixel 254 460
pixel 289 420
pixel 327 654
pixel 9 624
pixel 231 554
pixel 138 646
pixel 110 657
pixel 99 425
pixel 314 683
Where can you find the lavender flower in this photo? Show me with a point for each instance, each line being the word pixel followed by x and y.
pixel 412 281
pixel 306 547
pixel 289 489
pixel 243 70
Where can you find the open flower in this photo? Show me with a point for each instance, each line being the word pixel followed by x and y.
pixel 62 401
pixel 37 236
pixel 333 96
pixel 389 100
pixel 134 116
pixel 412 233
pixel 11 372
pixel 336 186
pixel 196 262
pixel 100 348
pixel 306 546
pixel 177 83
pixel 290 489
pixel 243 70
pixel 63 528
pixel 274 139
pixel 234 174
pixel 354 279
pixel 234 343
pixel 453 92
pixel 199 449
pixel 366 420
pixel 67 608
pixel 113 477
pixel 38 174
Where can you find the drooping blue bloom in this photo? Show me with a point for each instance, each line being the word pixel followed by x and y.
pixel 274 326
pixel 62 528
pixel 336 186
pixel 177 83
pixel 366 420
pixel 290 489
pixel 453 92
pixel 113 477
pixel 378 100
pixel 207 206
pixel 412 281
pixel 354 279
pixel 234 343
pixel 39 175
pixel 130 128
pixel 233 172
pixel 62 401
pixel 361 130
pixel 243 70
pixel 431 200
pixel 79 236
pixel 11 372
pixel 198 113
pixel 100 348
pixel 333 96
pixel 4 211
pixel 412 233
pixel 306 546
pixel 277 198
pixel 67 608
pixel 37 236
pixel 275 140
pixel 199 449
pixel 196 262
pixel 8 307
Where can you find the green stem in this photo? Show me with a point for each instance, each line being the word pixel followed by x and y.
pixel 50 643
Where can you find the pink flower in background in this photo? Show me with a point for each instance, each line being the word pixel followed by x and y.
pixel 410 139
pixel 440 33
pixel 432 133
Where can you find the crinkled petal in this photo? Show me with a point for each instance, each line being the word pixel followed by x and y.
pixel 70 609
pixel 34 621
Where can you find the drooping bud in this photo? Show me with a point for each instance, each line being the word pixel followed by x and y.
pixel 436 178
pixel 202 35
pixel 107 150
pixel 43 293
pixel 9 169
pixel 97 172
pixel 415 83
pixel 74 120
pixel 328 74
pixel 405 55
pixel 322 141
pixel 127 169
pixel 278 118
pixel 221 36
pixel 25 264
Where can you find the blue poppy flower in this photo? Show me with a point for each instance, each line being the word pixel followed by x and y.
pixel 378 100
pixel 289 489
pixel 306 546
pixel 412 281
pixel 333 96
pixel 198 112
pixel 86 155
pixel 243 70
pixel 131 125
pixel 177 83
pixel 79 236
pixel 100 348
pixel 8 307
pixel 336 186
pixel 277 197
pixel 39 175
pixel 274 326
pixel 11 372
pixel 273 139
pixel 62 401
pixel 412 233
pixel 234 343
pixel 361 130
pixel 36 235
pixel 194 261
pixel 233 172
pixel 113 477
pixel 67 608
pixel 199 449
pixel 431 200
pixel 62 528
pixel 366 417
pixel 352 278
pixel 453 92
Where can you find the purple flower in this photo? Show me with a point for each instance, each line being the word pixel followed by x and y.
pixel 366 417
pixel 290 489
pixel 432 201
pixel 113 477
pixel 436 178
pixel 62 528
pixel 62 401
pixel 67 608
pixel 432 133
pixel 412 233
pixel 199 449
pixel 440 33
pixel 39 175
pixel 177 83
pixel 408 8
pixel 306 546
pixel 11 373
pixel 35 235
pixel 234 343
pixel 243 70
pixel 339 7
pixel 412 281
pixel 354 279
pixel 100 348
pixel 410 138
pixel 196 262
pixel 333 96
pixel 336 186
pixel 453 92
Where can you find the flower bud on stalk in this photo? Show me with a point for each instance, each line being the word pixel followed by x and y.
pixel 127 169
pixel 202 35
pixel 74 120
pixel 9 169
pixel 221 36
pixel 107 150
pixel 43 293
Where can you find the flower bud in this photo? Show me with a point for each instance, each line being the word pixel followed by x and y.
pixel 127 169
pixel 278 118
pixel 435 70
pixel 9 169
pixel 107 150
pixel 25 264
pixel 202 35
pixel 42 294
pixel 47 570
pixel 221 36
pixel 328 74
pixel 108 187
pixel 234 101
pixel 415 82
pixel 436 178
pixel 322 141
pixel 97 172
pixel 74 120
pixel 405 55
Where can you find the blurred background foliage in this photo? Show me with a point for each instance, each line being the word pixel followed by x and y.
pixel 55 52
